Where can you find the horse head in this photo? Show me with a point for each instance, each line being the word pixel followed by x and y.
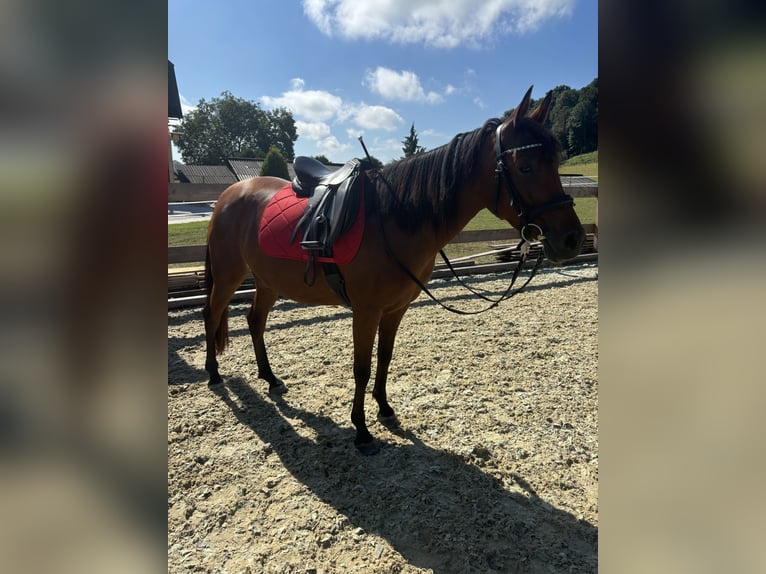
pixel 527 161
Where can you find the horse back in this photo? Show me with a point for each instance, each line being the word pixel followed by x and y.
pixel 241 206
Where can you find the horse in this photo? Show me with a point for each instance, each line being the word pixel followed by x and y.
pixel 414 207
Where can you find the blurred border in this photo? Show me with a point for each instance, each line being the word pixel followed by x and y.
pixel 83 165
pixel 682 298
pixel 83 144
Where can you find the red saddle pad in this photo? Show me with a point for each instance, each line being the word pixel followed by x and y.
pixel 280 218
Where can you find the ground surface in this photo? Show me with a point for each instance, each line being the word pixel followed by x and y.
pixel 494 468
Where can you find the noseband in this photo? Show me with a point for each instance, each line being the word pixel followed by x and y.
pixel 525 215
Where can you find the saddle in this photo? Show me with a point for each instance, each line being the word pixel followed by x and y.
pixel 332 208
pixel 333 202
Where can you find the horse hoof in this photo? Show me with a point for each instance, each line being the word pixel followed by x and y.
pixel 390 422
pixel 368 448
pixel 278 389
pixel 215 381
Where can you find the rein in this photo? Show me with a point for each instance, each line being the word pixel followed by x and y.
pixel 493 302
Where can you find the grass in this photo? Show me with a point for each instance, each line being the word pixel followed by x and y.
pixel 585 164
pixel 195 233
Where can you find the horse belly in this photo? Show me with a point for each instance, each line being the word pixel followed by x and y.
pixel 288 279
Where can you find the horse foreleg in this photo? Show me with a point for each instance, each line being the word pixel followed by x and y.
pixel 389 325
pixel 256 319
pixel 364 327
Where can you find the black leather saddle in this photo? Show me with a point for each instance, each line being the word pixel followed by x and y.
pixel 333 202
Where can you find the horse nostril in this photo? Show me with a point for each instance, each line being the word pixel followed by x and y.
pixel 572 240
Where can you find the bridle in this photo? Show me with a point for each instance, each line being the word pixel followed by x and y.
pixel 526 215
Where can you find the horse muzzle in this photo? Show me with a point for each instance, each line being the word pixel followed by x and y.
pixel 562 247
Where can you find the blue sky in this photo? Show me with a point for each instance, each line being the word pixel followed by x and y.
pixel 373 67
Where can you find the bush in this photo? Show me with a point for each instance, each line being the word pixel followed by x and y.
pixel 275 164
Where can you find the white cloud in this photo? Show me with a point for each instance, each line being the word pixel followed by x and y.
pixel 313 105
pixel 374 117
pixel 438 23
pixel 330 146
pixel 433 133
pixel 312 130
pixel 318 114
pixel 479 102
pixel 449 90
pixel 353 133
pixel 186 105
pixel 403 86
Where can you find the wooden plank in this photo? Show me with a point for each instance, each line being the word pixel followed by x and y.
pixel 194 191
pixel 195 253
pixel 581 190
pixel 195 298
pixel 186 253
pixel 199 300
pixel 475 236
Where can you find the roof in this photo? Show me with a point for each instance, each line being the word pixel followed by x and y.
pixel 236 169
pixel 205 174
pixel 174 101
pixel 247 167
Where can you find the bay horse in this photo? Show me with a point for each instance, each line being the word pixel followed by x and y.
pixel 414 207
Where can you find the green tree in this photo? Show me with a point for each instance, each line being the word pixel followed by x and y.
pixel 274 164
pixel 323 159
pixel 249 153
pixel 411 146
pixel 582 122
pixel 573 117
pixel 372 162
pixel 232 127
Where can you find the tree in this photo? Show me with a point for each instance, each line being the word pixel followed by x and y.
pixel 372 162
pixel 275 164
pixel 323 159
pixel 248 153
pixel 411 146
pixel 573 117
pixel 232 127
pixel 582 123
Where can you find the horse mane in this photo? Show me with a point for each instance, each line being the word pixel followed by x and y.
pixel 420 189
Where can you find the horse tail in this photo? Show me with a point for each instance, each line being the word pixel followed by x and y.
pixel 222 329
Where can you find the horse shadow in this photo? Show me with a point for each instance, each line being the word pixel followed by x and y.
pixel 448 515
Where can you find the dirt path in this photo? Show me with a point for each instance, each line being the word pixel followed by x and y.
pixel 495 467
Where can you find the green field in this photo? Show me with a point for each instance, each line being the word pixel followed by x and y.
pixel 585 164
pixel 195 233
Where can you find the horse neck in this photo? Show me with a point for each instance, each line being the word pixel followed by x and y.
pixel 473 197
pixel 469 207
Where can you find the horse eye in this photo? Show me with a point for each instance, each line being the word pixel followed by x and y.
pixel 525 169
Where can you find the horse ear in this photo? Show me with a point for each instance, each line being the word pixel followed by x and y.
pixel 522 108
pixel 540 114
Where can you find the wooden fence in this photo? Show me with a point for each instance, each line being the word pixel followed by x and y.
pixel 185 286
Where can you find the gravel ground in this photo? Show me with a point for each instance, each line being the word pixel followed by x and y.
pixel 494 468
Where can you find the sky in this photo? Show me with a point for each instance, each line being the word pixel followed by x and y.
pixel 346 68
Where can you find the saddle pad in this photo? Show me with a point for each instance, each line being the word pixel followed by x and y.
pixel 279 219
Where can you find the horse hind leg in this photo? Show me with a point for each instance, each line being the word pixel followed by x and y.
pixel 263 301
pixel 220 287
